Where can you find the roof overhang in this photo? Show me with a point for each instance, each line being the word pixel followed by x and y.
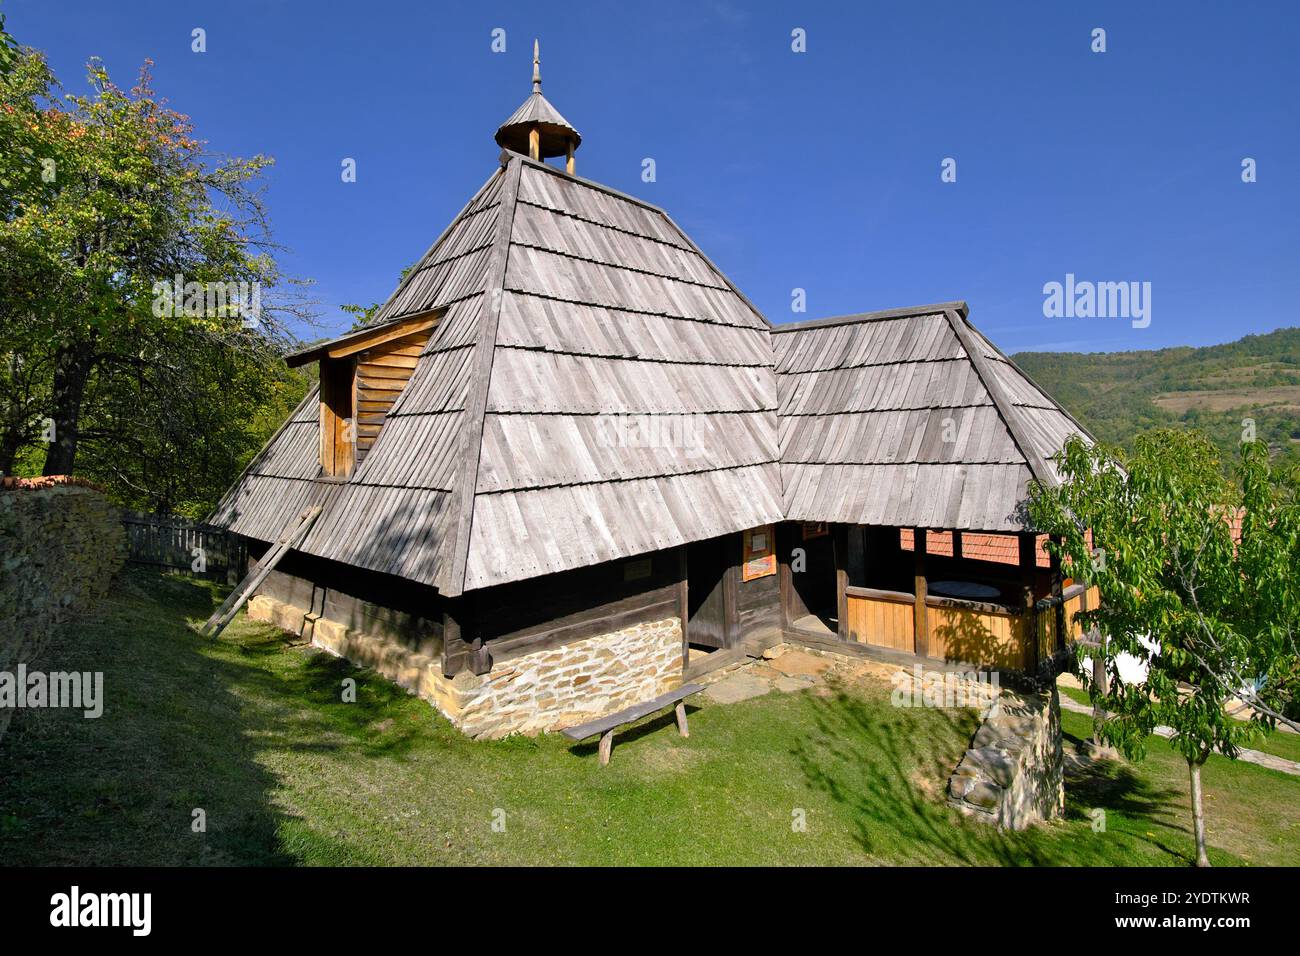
pixel 362 339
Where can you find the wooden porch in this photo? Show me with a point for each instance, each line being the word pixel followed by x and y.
pixel 885 581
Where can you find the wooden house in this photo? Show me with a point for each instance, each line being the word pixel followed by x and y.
pixel 569 463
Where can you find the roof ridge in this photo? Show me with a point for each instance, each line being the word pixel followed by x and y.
pixel 934 308
pixel 481 376
pixel 415 270
pixel 1008 412
pixel 628 197
pixel 1055 405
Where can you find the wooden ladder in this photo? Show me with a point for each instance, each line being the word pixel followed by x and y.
pixel 253 580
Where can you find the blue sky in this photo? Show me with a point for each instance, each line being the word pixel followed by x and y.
pixel 817 170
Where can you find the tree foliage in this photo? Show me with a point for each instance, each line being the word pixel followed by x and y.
pixel 1197 578
pixel 108 201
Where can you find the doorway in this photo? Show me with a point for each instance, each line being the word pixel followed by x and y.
pixel 706 582
pixel 814 601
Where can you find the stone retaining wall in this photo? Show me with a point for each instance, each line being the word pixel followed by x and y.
pixel 1013 773
pixel 542 691
pixel 60 546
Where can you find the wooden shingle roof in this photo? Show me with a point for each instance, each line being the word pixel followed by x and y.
pixel 595 388
pixel 910 418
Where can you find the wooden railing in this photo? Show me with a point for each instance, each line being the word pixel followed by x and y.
pixel 975 632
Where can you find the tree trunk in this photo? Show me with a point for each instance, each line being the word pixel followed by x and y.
pixel 1101 686
pixel 1198 814
pixel 71 372
pixel 10 442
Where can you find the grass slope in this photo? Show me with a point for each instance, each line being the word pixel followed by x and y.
pixel 252 730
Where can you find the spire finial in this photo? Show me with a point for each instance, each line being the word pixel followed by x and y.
pixel 537 129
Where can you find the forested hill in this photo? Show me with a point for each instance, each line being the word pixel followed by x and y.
pixel 1118 394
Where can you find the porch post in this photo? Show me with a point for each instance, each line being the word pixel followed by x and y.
pixel 1058 595
pixel 840 537
pixel 956 544
pixel 920 623
pixel 784 574
pixel 683 604
pixel 458 641
pixel 1028 617
pixel 731 590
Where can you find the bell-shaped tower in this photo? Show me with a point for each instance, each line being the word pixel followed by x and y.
pixel 537 129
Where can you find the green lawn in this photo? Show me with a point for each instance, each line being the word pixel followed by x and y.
pixel 1280 743
pixel 252 730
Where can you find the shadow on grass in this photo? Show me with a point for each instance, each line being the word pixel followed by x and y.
pixel 1114 786
pixel 184 722
pixel 888 768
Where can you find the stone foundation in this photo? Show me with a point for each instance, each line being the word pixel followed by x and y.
pixel 542 691
pixel 1012 775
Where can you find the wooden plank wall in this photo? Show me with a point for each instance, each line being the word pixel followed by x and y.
pixel 989 638
pixel 420 634
pixel 336 405
pixel 390 601
pixel 758 607
pixel 382 373
pixel 881 621
pixel 978 635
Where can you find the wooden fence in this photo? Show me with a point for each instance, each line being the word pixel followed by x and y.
pixel 181 544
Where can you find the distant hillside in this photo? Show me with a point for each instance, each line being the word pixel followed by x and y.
pixel 1118 394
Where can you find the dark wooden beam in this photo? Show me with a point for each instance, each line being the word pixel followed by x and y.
pixel 731 590
pixel 455 651
pixel 785 545
pixel 920 591
pixel 956 544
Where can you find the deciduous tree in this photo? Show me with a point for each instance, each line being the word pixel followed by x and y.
pixel 1213 612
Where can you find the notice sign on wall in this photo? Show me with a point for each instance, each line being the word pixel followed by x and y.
pixel 759 559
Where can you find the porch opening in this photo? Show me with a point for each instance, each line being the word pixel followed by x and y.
pixel 707 564
pixel 986 599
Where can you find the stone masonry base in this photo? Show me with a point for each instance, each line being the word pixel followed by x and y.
pixel 542 691
pixel 1013 773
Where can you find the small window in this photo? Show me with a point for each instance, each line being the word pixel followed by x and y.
pixel 337 424
pixel 759 559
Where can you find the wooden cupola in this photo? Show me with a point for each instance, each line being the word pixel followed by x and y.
pixel 537 129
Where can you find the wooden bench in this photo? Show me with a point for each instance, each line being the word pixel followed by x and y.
pixel 605 726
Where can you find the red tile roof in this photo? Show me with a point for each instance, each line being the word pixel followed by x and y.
pixel 998 548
